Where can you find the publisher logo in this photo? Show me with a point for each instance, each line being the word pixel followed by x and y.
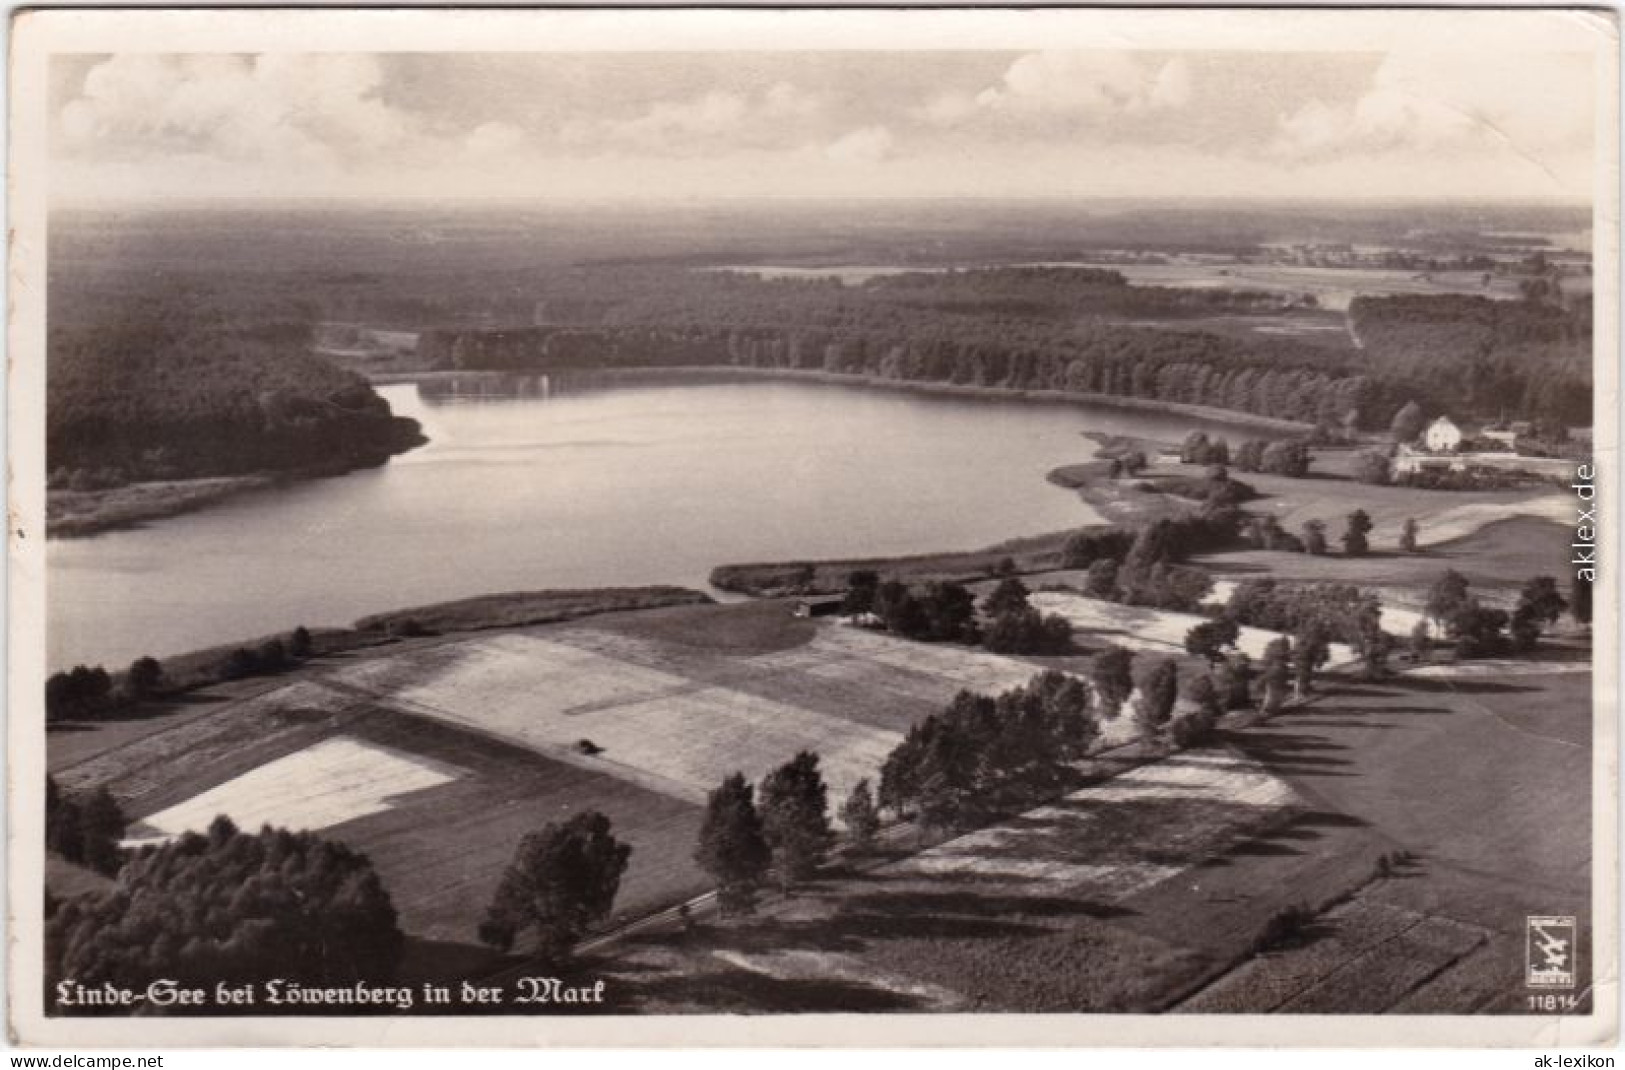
pixel 1550 952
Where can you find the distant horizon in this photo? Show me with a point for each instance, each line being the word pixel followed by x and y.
pixel 923 201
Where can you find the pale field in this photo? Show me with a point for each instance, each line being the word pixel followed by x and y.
pixel 1113 839
pixel 670 732
pixel 933 672
pixel 1143 628
pixel 326 784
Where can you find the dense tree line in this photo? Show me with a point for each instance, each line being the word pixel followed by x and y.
pixel 151 388
pixel 1077 330
pixel 230 907
pixel 954 763
pixel 1030 329
pixel 1335 608
pixel 1475 356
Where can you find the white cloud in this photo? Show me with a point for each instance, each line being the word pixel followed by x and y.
pixel 494 139
pixel 865 145
pixel 1432 102
pixel 304 108
pixel 1069 86
pixel 774 116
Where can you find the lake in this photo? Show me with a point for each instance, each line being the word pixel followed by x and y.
pixel 585 484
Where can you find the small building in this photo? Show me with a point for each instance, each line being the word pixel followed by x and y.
pixel 1442 435
pixel 820 605
pixel 1507 439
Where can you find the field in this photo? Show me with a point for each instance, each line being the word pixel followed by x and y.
pixel 1028 915
pixel 1149 890
pixel 1145 628
pixel 436 756
pixel 1487 784
pixel 1145 889
pixel 326 784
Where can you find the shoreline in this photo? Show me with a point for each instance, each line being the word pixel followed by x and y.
pixel 74 514
pixel 1210 414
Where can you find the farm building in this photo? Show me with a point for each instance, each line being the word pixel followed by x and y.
pixel 1442 435
pixel 1509 439
pixel 821 606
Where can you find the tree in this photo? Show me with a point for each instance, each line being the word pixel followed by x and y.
pixel 64 823
pixel 1375 645
pixel 1159 690
pixel 1539 596
pixel 1408 422
pixel 1198 723
pixel 899 610
pixel 950 613
pixel 732 848
pixel 1210 639
pixel 144 678
pixel 1274 674
pixel 1373 466
pixel 1286 459
pixel 1407 537
pixel 1112 675
pixel 1580 599
pixel 1525 630
pixel 1102 579
pixel 562 879
pixel 861 585
pixel 795 818
pixel 861 817
pixel 1354 539
pixel 1309 652
pixel 233 908
pixel 1234 682
pixel 101 824
pixel 82 693
pixel 1314 537
pixel 1446 598
pixel 1027 631
pixel 1477 629
pixel 1421 642
pixel 273 656
pixel 299 643
pixel 1069 717
pixel 1009 596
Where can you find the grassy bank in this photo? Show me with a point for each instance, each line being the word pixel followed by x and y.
pixel 779 578
pixel 70 513
pixel 202 668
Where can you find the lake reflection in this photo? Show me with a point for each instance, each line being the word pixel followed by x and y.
pixel 533 483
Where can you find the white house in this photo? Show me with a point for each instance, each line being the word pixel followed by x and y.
pixel 1442 435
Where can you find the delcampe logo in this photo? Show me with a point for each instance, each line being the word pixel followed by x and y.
pixel 1550 952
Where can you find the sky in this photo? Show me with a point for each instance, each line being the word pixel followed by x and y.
pixel 605 126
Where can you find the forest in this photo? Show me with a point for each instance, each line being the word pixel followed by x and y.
pixel 142 387
pixel 1069 329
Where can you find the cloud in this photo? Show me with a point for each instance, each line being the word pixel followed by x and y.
pixel 865 145
pixel 303 109
pixel 773 117
pixel 494 139
pixel 1436 102
pixel 1069 86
